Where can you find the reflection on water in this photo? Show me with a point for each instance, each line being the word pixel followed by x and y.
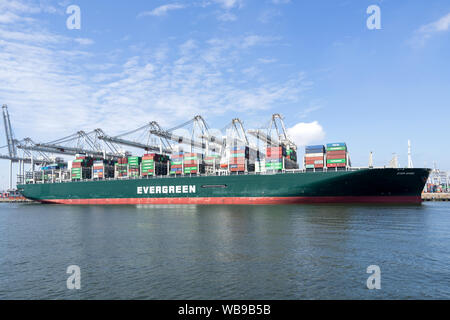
pixel 225 252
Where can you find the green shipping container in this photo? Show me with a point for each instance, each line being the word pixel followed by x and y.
pixel 331 161
pixel 337 149
pixel 274 166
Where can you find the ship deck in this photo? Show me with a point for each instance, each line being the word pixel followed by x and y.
pixel 215 174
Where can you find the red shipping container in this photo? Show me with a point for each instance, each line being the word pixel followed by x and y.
pixel 313 158
pixel 336 165
pixel 337 152
pixel 340 152
pixel 190 162
pixel 332 157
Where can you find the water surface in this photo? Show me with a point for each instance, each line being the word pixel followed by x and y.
pixel 225 252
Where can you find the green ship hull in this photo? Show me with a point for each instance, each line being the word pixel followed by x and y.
pixel 351 186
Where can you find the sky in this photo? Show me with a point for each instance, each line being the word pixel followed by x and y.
pixel 325 66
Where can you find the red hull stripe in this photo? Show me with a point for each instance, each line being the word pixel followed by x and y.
pixel 239 200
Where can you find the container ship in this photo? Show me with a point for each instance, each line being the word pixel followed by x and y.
pixel 239 175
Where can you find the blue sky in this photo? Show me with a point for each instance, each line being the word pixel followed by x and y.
pixel 315 62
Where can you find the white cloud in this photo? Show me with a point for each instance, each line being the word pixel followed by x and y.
pixel 31 36
pixel 427 31
pixel 227 16
pixel 268 15
pixel 305 133
pixel 162 10
pixel 10 17
pixel 84 41
pixel 18 6
pixel 266 60
pixel 442 24
pixel 253 40
pixel 228 4
pixel 55 88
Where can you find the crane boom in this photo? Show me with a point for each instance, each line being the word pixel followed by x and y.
pixel 180 139
pixel 25 160
pixel 261 135
pixel 139 145
pixel 67 150
pixel 282 134
pixel 9 133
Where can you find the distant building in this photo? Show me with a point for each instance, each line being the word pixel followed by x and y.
pixel 438 181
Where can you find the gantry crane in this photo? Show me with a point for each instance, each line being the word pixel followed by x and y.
pixel 276 127
pixel 197 122
pixel 164 146
pixel 78 143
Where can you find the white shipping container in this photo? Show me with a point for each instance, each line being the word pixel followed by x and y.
pixel 313 155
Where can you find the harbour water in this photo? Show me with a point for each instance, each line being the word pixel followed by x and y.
pixel 225 252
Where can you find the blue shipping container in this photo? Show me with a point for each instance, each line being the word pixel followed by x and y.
pixel 336 144
pixel 314 147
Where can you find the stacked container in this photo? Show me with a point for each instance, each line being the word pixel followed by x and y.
pixel 290 161
pixel 239 156
pixel 134 164
pixel 176 163
pixel 315 157
pixel 154 164
pixel 224 164
pixel 274 157
pixel 102 169
pixel 121 168
pixel 291 155
pixel 193 163
pixel 337 155
pixel 81 168
pixel 98 170
pixel 55 166
pixel 213 161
